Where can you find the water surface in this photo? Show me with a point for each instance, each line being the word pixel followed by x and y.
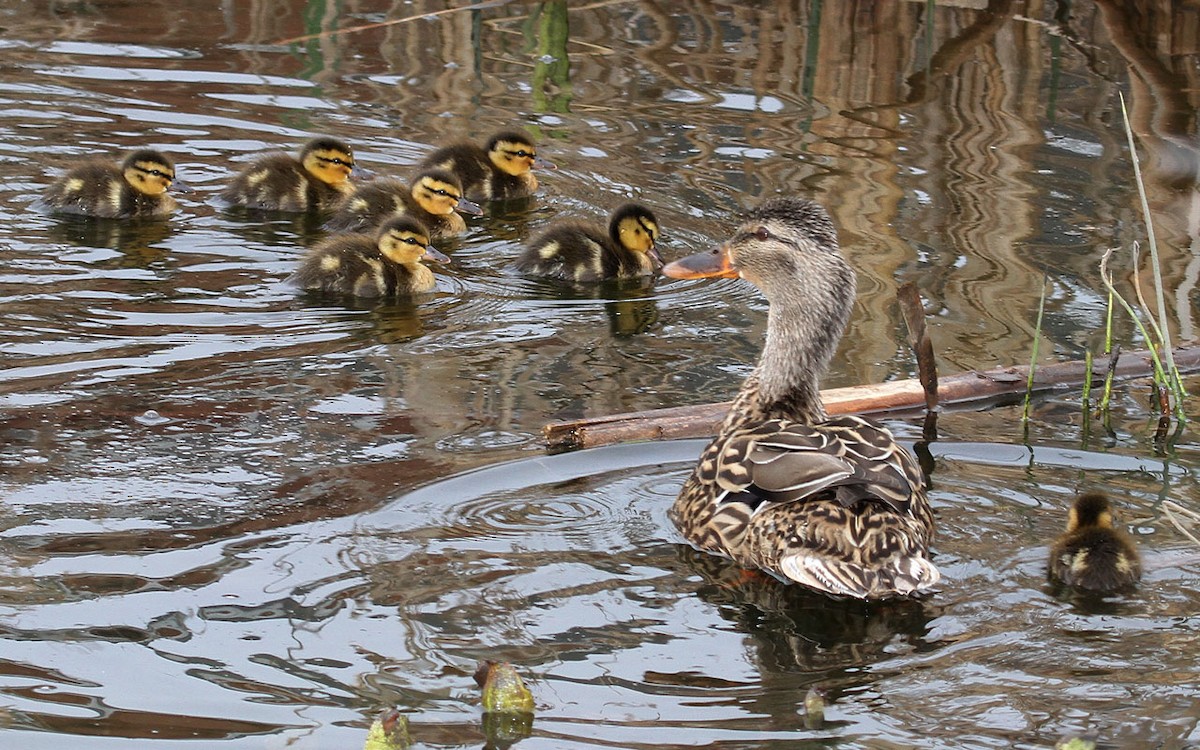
pixel 247 518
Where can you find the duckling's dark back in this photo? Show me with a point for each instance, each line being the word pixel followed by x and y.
pixel 278 182
pixel 1094 555
pixel 583 252
pixel 352 264
pixel 343 264
pixel 370 205
pixel 469 163
pixel 571 251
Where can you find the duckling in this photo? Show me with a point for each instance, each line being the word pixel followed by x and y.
pixel 1093 554
pixel 387 264
pixel 499 171
pixel 833 504
pixel 433 199
pixel 317 181
pixel 135 187
pixel 577 251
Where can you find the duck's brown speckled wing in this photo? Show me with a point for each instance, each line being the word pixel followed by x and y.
pixel 837 506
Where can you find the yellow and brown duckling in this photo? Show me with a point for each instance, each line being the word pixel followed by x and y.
pixel 387 264
pixel 502 170
pixel 835 505
pixel 1093 554
pixel 435 198
pixel 136 187
pixel 319 180
pixel 582 252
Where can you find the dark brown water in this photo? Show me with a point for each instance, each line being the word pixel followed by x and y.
pixel 237 516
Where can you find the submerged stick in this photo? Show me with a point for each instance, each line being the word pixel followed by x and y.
pixel 963 388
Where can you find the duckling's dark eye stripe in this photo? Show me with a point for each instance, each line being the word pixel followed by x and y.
pixel 155 172
pixel 522 153
pixel 647 228
pixel 339 162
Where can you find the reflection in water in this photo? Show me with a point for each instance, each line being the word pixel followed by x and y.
pixel 140 242
pixel 208 478
pixel 797 630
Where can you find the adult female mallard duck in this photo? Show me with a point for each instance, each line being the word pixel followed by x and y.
pixel 502 170
pixel 433 199
pixel 832 504
pixel 317 181
pixel 582 252
pixel 1093 554
pixel 387 264
pixel 135 187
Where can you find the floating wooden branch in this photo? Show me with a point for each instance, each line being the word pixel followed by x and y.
pixel 964 388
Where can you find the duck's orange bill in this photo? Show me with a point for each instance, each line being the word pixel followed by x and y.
pixel 714 263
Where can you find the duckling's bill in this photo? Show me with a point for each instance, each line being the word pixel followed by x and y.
pixel 712 264
pixel 542 163
pixel 465 206
pixel 434 255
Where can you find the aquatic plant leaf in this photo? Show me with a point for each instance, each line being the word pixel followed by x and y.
pixel 389 731
pixel 814 708
pixel 503 690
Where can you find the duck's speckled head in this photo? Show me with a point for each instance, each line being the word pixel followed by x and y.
pixel 778 241
pixel 148 172
pixel 787 247
pixel 329 160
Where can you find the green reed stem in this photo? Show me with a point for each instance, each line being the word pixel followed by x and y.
pixel 1160 375
pixel 1174 383
pixel 1037 338
pixel 1106 396
pixel 1087 379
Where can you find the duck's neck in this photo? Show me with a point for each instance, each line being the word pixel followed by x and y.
pixel 785 384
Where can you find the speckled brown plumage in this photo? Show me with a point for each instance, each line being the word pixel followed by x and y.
pixel 832 504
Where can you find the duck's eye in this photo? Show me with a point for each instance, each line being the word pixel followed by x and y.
pixel 761 234
pixel 335 160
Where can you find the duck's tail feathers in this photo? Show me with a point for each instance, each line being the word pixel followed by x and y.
pixel 902 576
